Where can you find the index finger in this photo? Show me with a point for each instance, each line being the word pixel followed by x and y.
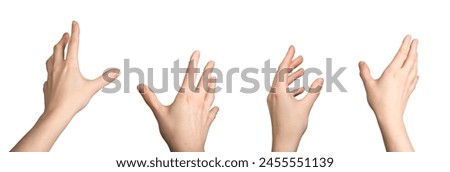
pixel 402 53
pixel 72 51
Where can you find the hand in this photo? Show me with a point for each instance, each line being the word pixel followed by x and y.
pixel 66 92
pixel 389 94
pixel 290 116
pixel 185 123
pixel 66 89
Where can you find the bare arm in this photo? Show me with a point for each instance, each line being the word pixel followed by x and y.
pixel 185 123
pixel 389 94
pixel 289 115
pixel 66 92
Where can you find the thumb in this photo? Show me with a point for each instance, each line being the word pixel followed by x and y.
pixel 364 72
pixel 149 98
pixel 106 78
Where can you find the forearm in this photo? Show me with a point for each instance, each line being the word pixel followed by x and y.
pixel 44 133
pixel 395 136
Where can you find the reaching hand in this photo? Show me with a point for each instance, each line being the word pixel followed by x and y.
pixel 388 95
pixel 66 92
pixel 185 123
pixel 290 116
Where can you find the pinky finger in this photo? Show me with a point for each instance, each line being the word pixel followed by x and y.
pixel 212 115
pixel 412 87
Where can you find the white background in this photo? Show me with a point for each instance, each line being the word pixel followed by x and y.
pixel 233 34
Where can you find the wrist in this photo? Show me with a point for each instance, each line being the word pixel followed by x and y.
pixel 388 119
pixel 57 116
pixel 395 136
pixel 285 143
pixel 187 148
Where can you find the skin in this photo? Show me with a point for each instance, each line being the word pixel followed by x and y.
pixel 66 92
pixel 389 94
pixel 289 115
pixel 185 123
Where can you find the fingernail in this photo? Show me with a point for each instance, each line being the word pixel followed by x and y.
pixel 111 75
pixel 114 73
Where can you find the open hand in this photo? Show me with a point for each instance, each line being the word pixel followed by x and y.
pixel 185 123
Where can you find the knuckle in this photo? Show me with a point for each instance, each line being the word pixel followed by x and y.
pixel 270 97
pixel 74 39
pixel 56 47
pixel 48 62
pixel 44 86
pixel 70 64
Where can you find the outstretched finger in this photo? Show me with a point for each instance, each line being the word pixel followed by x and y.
pixel 58 49
pixel 191 71
pixel 402 53
pixel 283 71
pixel 202 86
pixel 74 42
pixel 314 91
pixel 212 115
pixel 412 56
pixel 210 95
pixel 297 74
